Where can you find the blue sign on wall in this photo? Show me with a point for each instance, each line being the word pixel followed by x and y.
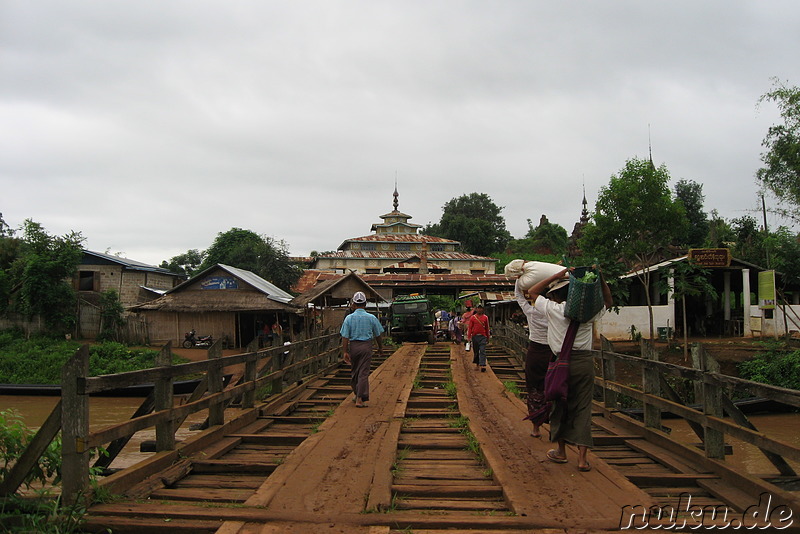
pixel 219 282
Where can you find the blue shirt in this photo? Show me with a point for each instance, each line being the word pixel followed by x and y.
pixel 361 326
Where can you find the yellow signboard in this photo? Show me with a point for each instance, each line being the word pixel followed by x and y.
pixel 710 257
pixel 766 290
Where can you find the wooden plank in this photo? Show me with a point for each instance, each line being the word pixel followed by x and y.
pixel 155 525
pixel 442 504
pixel 605 441
pixel 166 477
pixel 202 495
pixel 727 493
pixel 662 456
pixel 669 479
pixel 243 481
pixel 224 466
pixel 447 491
pixel 272 439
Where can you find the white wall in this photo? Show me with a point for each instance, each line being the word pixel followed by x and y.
pixel 617 326
pixel 770 326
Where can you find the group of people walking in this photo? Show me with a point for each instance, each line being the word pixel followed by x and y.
pixel 550 334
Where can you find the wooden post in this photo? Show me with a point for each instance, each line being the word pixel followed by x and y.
pixel 216 412
pixel 651 386
pixel 714 441
pixel 249 397
pixel 75 427
pixel 276 365
pixel 609 369
pixel 165 430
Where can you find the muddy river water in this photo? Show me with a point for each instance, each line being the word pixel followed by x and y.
pixel 103 412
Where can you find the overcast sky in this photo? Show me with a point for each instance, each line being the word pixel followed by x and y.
pixel 152 126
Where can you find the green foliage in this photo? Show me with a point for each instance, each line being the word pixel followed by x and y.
pixel 186 263
pixel 547 238
pixel 38 360
pixel 442 302
pixel 635 221
pixel 784 251
pixel 244 249
pixel 720 233
pixel 777 366
pixel 635 217
pixel 690 194
pixel 748 240
pixel 512 387
pixel 781 171
pixel 43 265
pixel 14 438
pixel 111 311
pixel 475 221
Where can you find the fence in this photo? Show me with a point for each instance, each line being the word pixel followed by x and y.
pixel 712 391
pixel 262 368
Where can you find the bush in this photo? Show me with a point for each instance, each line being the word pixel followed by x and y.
pixel 14 438
pixel 39 360
pixel 776 366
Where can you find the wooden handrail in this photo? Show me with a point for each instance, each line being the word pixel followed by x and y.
pixel 71 415
pixel 711 385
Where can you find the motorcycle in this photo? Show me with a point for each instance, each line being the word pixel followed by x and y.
pixel 191 339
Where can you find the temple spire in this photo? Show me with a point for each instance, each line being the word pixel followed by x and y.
pixel 395 203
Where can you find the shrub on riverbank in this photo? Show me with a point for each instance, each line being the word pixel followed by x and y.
pixel 777 365
pixel 38 360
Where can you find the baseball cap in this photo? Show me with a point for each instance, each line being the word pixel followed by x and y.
pixel 359 297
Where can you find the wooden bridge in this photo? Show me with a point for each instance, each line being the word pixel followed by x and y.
pixel 440 447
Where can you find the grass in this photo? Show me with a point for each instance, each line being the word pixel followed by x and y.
pixel 512 387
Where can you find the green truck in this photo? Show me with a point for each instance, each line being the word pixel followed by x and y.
pixel 411 319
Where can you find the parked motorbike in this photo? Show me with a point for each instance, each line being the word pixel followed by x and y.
pixel 191 339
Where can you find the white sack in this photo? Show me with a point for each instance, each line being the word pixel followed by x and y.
pixel 531 272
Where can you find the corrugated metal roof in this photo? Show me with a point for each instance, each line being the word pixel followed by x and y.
pixel 271 290
pixel 131 264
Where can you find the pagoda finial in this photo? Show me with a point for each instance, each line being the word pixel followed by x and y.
pixel 395 203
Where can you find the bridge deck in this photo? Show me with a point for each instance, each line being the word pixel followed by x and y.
pixel 315 461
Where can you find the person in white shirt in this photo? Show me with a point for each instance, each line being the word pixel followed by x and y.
pixel 570 421
pixel 537 357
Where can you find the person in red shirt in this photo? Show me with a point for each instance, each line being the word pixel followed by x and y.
pixel 478 334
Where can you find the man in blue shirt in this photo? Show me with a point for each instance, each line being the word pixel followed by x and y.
pixel 359 329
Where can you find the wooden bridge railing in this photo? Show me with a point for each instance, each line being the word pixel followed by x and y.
pixel 262 368
pixel 712 395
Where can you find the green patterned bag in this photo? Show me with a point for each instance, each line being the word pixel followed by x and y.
pixel 585 296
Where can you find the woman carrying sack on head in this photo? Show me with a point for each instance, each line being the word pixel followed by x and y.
pixel 570 421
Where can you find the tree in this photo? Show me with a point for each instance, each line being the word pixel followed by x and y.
pixel 781 171
pixel 475 221
pixel 635 220
pixel 186 263
pixel 44 266
pixel 247 250
pixel 688 280
pixel 111 312
pixel 719 232
pixel 691 195
pixel 748 240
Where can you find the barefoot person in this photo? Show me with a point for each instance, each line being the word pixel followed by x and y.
pixel 570 421
pixel 537 357
pixel 358 331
